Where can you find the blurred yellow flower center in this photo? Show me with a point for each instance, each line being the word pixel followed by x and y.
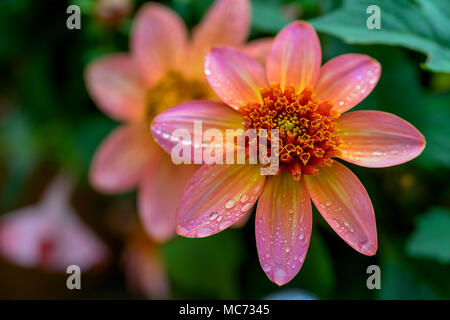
pixel 173 89
pixel 307 131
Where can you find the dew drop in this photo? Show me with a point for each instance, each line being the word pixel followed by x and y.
pixel 267 267
pixel 213 216
pixel 377 153
pixel 279 275
pixel 287 249
pixel 244 198
pixel 230 204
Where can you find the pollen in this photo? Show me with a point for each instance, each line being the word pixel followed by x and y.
pixel 308 137
pixel 173 89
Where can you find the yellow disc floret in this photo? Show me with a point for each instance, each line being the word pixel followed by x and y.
pixel 173 89
pixel 307 132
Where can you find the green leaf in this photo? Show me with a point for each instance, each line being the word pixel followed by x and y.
pixel 18 150
pixel 267 17
pixel 421 26
pixel 398 280
pixel 206 267
pixel 434 126
pixel 431 239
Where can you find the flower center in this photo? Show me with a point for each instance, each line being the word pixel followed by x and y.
pixel 173 89
pixel 307 132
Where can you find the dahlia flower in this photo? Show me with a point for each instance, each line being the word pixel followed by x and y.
pixel 49 234
pixel 307 103
pixel 162 70
pixel 144 266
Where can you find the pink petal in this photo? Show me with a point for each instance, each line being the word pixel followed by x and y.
pixel 378 139
pixel 213 115
pixel 158 41
pixel 295 57
pixel 50 235
pixel 116 86
pixel 217 197
pixel 235 77
pixel 118 163
pixel 259 49
pixel 227 23
pixel 346 80
pixel 343 202
pixel 283 227
pixel 162 185
pixel 145 268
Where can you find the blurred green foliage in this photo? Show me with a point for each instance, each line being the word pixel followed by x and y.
pixel 47 118
pixel 420 25
pixel 431 239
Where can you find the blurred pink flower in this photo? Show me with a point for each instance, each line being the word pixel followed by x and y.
pixel 50 235
pixel 112 11
pixel 145 269
pixel 162 70
pixel 305 102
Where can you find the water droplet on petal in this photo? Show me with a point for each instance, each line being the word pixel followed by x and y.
pixel 244 198
pixel 287 249
pixel 279 275
pixel 230 204
pixel 267 267
pixel 213 216
pixel 377 153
